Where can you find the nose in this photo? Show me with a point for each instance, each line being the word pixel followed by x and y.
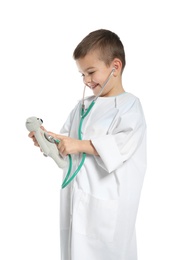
pixel 87 80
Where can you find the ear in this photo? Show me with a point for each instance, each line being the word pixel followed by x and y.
pixel 117 66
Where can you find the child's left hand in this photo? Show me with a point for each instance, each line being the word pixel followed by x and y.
pixel 67 145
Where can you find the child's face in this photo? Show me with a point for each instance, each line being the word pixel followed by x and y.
pixel 95 73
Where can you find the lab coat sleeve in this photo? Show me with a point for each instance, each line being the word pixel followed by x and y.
pixel 122 140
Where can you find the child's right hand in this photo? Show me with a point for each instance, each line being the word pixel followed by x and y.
pixel 32 136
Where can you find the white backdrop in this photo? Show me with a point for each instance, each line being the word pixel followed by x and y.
pixel 38 77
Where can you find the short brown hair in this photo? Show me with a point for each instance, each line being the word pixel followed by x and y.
pixel 107 42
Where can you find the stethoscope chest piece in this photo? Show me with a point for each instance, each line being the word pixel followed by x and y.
pixel 50 138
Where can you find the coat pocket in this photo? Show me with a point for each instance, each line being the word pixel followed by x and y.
pixel 95 218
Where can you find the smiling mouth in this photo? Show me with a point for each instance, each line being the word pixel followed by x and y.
pixel 93 87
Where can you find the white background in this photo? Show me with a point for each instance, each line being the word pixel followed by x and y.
pixel 38 77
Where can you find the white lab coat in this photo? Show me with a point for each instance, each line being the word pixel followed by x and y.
pixel 98 209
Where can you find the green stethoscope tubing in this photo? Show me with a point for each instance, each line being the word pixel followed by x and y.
pixel 70 177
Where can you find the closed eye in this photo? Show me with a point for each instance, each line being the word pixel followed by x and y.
pixel 88 73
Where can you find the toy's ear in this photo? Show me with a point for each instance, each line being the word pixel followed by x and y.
pixel 33 123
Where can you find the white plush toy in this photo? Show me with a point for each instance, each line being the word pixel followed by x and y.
pixel 48 147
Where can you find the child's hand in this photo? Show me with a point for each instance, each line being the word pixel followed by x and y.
pixel 32 136
pixel 67 145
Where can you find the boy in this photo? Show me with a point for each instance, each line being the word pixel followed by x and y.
pixel 99 207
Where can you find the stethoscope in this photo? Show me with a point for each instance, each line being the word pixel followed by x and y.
pixel 69 177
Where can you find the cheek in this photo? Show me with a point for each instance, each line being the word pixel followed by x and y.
pixel 97 79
